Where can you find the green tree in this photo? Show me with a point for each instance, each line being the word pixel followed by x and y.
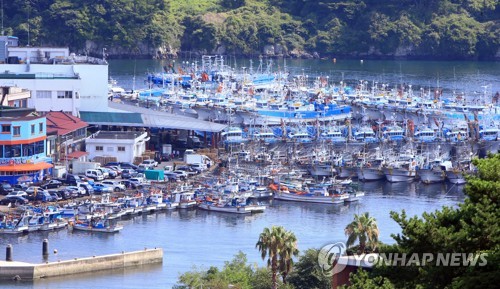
pixel 470 229
pixel 362 280
pixel 364 229
pixel 307 274
pixel 280 246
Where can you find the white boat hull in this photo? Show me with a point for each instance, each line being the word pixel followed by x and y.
pixel 338 199
pixel 248 209
pixel 430 176
pixel 399 175
pixel 112 229
pixel 370 174
pixel 354 197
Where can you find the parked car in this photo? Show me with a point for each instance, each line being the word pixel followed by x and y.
pixel 105 172
pixel 89 190
pixel 142 168
pixel 14 200
pixel 181 174
pixel 150 163
pixel 129 184
pixel 102 189
pixel 114 164
pixel 116 185
pixel 17 193
pixel 81 191
pixel 20 187
pixel 31 190
pixel 70 179
pixel 117 169
pixel 5 188
pixel 68 193
pixel 199 167
pixel 52 184
pixel 94 174
pixel 171 176
pixel 41 195
pixel 125 165
pixel 127 173
pixel 56 196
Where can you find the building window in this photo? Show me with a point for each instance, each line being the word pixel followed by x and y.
pixel 16 131
pixel 121 149
pixel 6 128
pixel 99 148
pixel 32 129
pixel 65 94
pixel 40 127
pixel 43 94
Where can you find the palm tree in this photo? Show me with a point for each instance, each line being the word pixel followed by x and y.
pixel 289 250
pixel 280 246
pixel 364 229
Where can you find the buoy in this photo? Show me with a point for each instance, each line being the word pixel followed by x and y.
pixel 335 60
pixel 55 251
pixel 361 61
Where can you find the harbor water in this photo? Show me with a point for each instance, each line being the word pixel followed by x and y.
pixel 194 238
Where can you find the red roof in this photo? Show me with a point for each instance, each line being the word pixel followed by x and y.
pixel 75 155
pixel 61 123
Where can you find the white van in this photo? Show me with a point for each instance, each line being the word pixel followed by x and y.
pixel 96 175
pixel 199 167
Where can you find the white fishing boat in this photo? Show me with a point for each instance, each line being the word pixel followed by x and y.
pixel 354 197
pixel 99 225
pixel 314 196
pixel 186 200
pixel 233 205
pixel 10 225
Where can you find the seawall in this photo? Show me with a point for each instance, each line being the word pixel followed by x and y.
pixel 23 271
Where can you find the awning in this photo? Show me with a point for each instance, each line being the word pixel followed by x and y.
pixel 25 167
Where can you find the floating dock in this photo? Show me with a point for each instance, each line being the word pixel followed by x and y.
pixel 28 271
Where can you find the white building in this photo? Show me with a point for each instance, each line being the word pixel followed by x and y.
pixel 124 145
pixel 57 79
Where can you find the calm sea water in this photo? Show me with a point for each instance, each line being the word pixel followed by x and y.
pixel 198 238
pixel 460 76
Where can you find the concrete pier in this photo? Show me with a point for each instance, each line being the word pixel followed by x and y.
pixel 29 271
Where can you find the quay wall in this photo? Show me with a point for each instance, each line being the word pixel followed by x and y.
pixel 80 265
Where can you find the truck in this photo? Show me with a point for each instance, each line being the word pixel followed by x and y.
pixel 166 152
pixel 82 167
pixel 196 159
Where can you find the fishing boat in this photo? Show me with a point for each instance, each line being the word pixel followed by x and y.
pixel 365 134
pixel 354 196
pixel 11 225
pixel 101 225
pixel 186 200
pixel 234 135
pixel 315 195
pixel 404 169
pixel 234 205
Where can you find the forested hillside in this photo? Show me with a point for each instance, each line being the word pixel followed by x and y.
pixel 439 29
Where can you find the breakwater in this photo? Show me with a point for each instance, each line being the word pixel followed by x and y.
pixel 29 271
